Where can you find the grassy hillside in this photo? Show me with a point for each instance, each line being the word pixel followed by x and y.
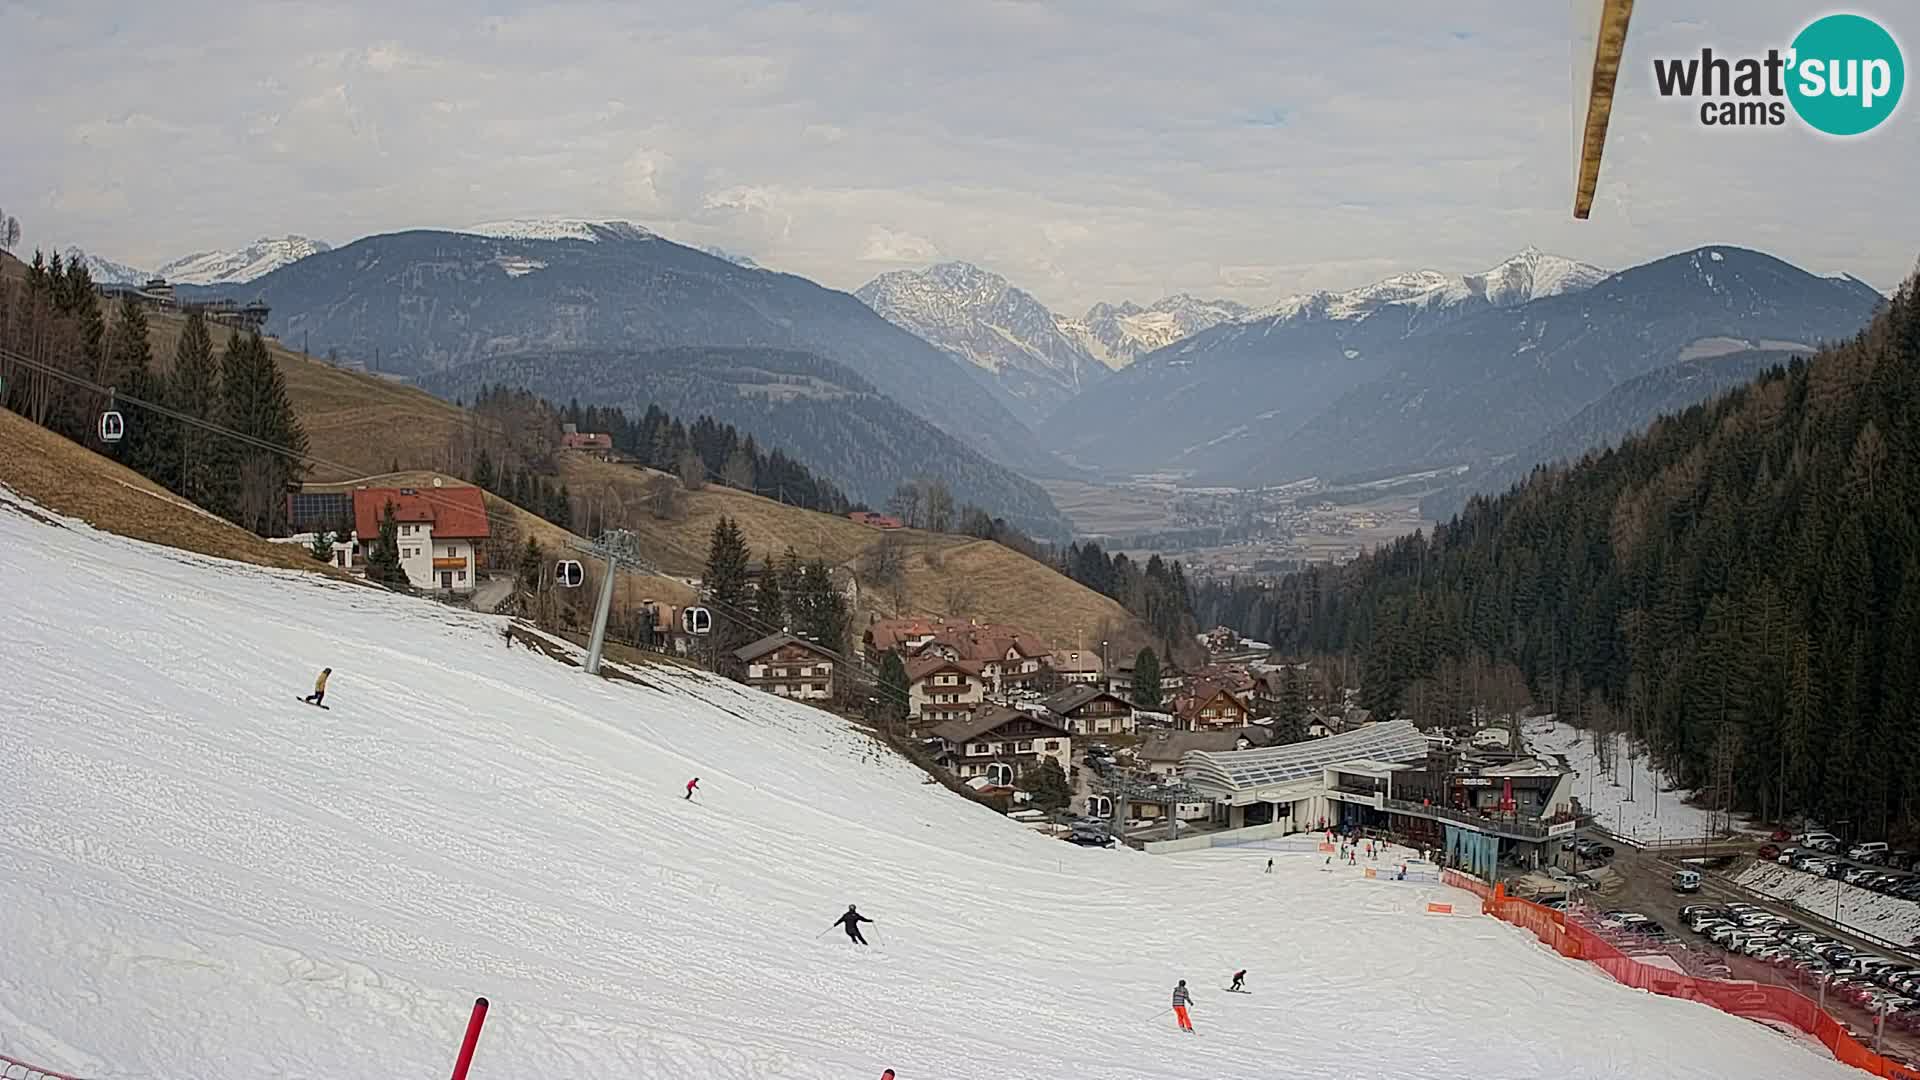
pixel 64 476
pixel 362 425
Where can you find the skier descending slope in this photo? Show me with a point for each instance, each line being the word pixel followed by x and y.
pixel 852 920
pixel 1181 1001
pixel 693 785
pixel 319 695
pixel 1239 982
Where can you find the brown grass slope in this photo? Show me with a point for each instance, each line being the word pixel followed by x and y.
pixel 360 424
pixel 370 422
pixel 72 480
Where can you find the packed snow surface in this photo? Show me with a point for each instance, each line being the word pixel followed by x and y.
pixel 203 876
pixel 1643 817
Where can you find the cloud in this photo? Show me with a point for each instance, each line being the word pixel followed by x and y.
pixel 1088 153
pixel 893 246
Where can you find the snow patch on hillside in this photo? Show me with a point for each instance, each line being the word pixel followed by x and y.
pixel 1643 817
pixel 203 876
pixel 258 259
pixel 1887 917
pixel 1529 275
pixel 559 229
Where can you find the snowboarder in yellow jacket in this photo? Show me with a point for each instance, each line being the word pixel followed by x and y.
pixel 319 687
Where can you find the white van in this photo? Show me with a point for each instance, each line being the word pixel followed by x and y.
pixel 1686 881
pixel 1825 841
pixel 1872 851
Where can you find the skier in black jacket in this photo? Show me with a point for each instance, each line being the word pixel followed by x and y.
pixel 852 920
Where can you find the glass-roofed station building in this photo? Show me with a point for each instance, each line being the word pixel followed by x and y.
pixel 1288 784
pixel 1478 808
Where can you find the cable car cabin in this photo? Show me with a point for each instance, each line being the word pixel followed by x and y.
pixel 696 620
pixel 569 574
pixel 112 426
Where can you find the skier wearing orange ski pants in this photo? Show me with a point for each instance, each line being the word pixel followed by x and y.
pixel 1182 999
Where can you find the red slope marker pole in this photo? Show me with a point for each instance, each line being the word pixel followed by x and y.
pixel 465 1059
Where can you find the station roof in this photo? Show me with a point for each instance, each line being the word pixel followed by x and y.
pixel 1394 742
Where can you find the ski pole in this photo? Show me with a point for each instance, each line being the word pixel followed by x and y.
pixel 823 933
pixel 1159 1014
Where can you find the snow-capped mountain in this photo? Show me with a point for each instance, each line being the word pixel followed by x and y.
pixel 978 317
pixel 257 259
pixel 1119 334
pixel 1529 275
pixel 741 261
pixel 106 271
pixel 559 229
pixel 1428 369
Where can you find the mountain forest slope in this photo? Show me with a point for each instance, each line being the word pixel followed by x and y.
pixel 825 416
pixel 1740 586
pixel 1626 409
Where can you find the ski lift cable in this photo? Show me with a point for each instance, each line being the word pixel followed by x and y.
pixel 494 517
pixel 739 615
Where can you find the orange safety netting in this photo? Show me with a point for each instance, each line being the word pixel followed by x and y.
pixel 1755 1001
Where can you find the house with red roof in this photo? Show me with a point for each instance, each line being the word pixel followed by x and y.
pixel 440 530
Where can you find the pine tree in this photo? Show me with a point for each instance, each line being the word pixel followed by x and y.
pixel 255 404
pixel 1290 722
pixel 483 477
pixel 893 690
pixel 725 582
pixel 193 389
pixel 1146 679
pixel 1046 785
pixel 769 598
pixel 321 547
pixel 383 555
pixel 532 566
pixel 822 615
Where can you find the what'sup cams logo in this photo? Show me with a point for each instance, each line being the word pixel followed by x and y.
pixel 1842 76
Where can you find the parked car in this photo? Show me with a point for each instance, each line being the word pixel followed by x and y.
pixel 1787 855
pixel 1769 852
pixel 1821 841
pixel 1871 851
pixel 1686 881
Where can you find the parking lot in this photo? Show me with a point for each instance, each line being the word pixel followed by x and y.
pixel 1645 887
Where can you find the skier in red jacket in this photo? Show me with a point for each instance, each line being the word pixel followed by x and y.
pixel 692 786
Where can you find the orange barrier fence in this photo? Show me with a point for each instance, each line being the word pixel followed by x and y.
pixel 14 1069
pixel 1755 1001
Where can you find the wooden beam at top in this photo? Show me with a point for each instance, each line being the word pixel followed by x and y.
pixel 1611 42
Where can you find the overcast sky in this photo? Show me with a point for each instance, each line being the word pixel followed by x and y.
pixel 1089 151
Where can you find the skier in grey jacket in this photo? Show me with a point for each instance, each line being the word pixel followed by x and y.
pixel 1181 1000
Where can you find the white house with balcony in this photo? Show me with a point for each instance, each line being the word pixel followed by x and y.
pixel 438 532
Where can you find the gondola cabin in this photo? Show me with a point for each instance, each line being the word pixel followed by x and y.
pixel 696 620
pixel 112 426
pixel 569 574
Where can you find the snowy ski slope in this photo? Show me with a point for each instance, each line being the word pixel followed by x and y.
pixel 202 877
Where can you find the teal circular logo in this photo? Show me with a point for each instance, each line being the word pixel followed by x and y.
pixel 1846 74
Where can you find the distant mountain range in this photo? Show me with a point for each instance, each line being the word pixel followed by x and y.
pixel 1036 359
pixel 817 411
pixel 982 320
pixel 418 302
pixel 1119 334
pixel 233 266
pixel 1429 369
